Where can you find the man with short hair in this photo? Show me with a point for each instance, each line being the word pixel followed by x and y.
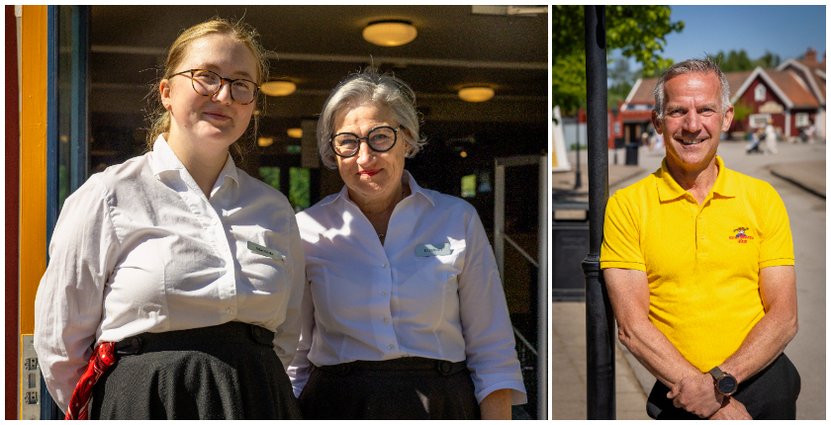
pixel 699 266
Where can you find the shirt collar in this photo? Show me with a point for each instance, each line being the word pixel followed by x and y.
pixel 415 190
pixel 669 189
pixel 164 160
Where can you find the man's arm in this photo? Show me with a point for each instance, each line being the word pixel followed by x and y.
pixel 773 332
pixel 629 295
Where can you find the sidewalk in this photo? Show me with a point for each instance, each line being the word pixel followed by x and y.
pixel 568 329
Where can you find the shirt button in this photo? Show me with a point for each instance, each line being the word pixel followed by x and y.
pixel 387 320
pixel 390 347
pixel 384 265
pixel 384 293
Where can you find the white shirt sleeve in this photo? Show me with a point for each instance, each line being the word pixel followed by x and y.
pixel 301 367
pixel 69 300
pixel 486 324
pixel 288 333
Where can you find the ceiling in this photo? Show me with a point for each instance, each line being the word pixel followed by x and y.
pixel 505 47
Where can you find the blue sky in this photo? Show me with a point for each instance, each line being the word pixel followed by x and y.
pixel 784 30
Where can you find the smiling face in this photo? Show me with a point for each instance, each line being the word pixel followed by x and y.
pixel 693 121
pixel 371 177
pixel 209 121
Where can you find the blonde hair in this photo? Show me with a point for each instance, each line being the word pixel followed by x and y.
pixel 159 117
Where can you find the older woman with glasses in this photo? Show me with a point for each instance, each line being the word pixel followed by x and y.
pixel 175 278
pixel 404 316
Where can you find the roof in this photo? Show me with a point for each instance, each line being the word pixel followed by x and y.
pixel 794 87
pixel 787 82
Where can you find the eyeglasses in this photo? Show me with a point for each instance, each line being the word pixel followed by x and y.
pixel 209 83
pixel 379 139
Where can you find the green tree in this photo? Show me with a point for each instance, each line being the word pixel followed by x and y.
pixel 732 61
pixel 768 60
pixel 738 60
pixel 637 31
pixel 621 79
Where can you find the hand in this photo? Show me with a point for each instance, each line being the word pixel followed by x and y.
pixel 696 394
pixel 734 409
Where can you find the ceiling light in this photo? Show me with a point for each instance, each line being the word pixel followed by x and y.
pixel 265 142
pixel 295 133
pixel 278 88
pixel 390 33
pixel 476 94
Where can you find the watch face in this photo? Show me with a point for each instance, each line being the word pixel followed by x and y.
pixel 727 385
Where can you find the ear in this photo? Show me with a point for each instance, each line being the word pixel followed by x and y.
pixel 164 93
pixel 658 124
pixel 727 119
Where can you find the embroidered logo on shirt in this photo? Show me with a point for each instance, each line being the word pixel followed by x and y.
pixel 433 250
pixel 266 252
pixel 741 235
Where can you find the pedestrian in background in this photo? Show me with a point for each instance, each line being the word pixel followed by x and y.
pixel 770 137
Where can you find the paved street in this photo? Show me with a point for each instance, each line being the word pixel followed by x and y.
pixel 798 174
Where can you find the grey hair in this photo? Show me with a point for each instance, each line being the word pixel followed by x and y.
pixel 688 66
pixel 368 86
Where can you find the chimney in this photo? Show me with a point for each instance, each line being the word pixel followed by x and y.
pixel 810 57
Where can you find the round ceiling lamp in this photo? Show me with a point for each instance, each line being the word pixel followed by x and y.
pixel 278 88
pixel 295 133
pixel 476 93
pixel 390 33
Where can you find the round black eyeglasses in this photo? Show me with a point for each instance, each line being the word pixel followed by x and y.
pixel 379 139
pixel 209 83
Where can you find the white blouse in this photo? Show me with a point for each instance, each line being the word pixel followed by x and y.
pixel 140 248
pixel 431 290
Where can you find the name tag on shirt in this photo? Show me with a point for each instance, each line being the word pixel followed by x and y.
pixel 266 252
pixel 433 250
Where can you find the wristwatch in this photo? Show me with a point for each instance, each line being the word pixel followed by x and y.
pixel 726 383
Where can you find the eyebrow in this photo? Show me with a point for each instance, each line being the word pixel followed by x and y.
pixel 234 75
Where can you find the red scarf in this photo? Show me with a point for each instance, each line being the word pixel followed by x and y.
pixel 102 359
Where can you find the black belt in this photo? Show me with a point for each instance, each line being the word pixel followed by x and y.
pixel 231 332
pixel 444 367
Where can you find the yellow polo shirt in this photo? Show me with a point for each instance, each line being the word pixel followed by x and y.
pixel 702 261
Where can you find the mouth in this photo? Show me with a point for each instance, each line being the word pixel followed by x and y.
pixel 217 116
pixel 690 141
pixel 368 173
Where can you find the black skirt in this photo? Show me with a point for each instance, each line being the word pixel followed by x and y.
pixel 406 388
pixel 228 371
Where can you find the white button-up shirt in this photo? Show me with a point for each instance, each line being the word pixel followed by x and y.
pixel 140 248
pixel 431 290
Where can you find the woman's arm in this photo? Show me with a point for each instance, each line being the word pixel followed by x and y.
pixel 69 300
pixel 496 406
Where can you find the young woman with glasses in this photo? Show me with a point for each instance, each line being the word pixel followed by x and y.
pixel 404 316
pixel 175 278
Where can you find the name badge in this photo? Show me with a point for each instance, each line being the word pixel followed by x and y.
pixel 266 252
pixel 433 250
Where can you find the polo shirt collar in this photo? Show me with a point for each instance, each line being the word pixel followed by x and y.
pixel 669 189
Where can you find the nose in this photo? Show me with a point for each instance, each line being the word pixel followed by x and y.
pixel 692 122
pixel 364 152
pixel 223 95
